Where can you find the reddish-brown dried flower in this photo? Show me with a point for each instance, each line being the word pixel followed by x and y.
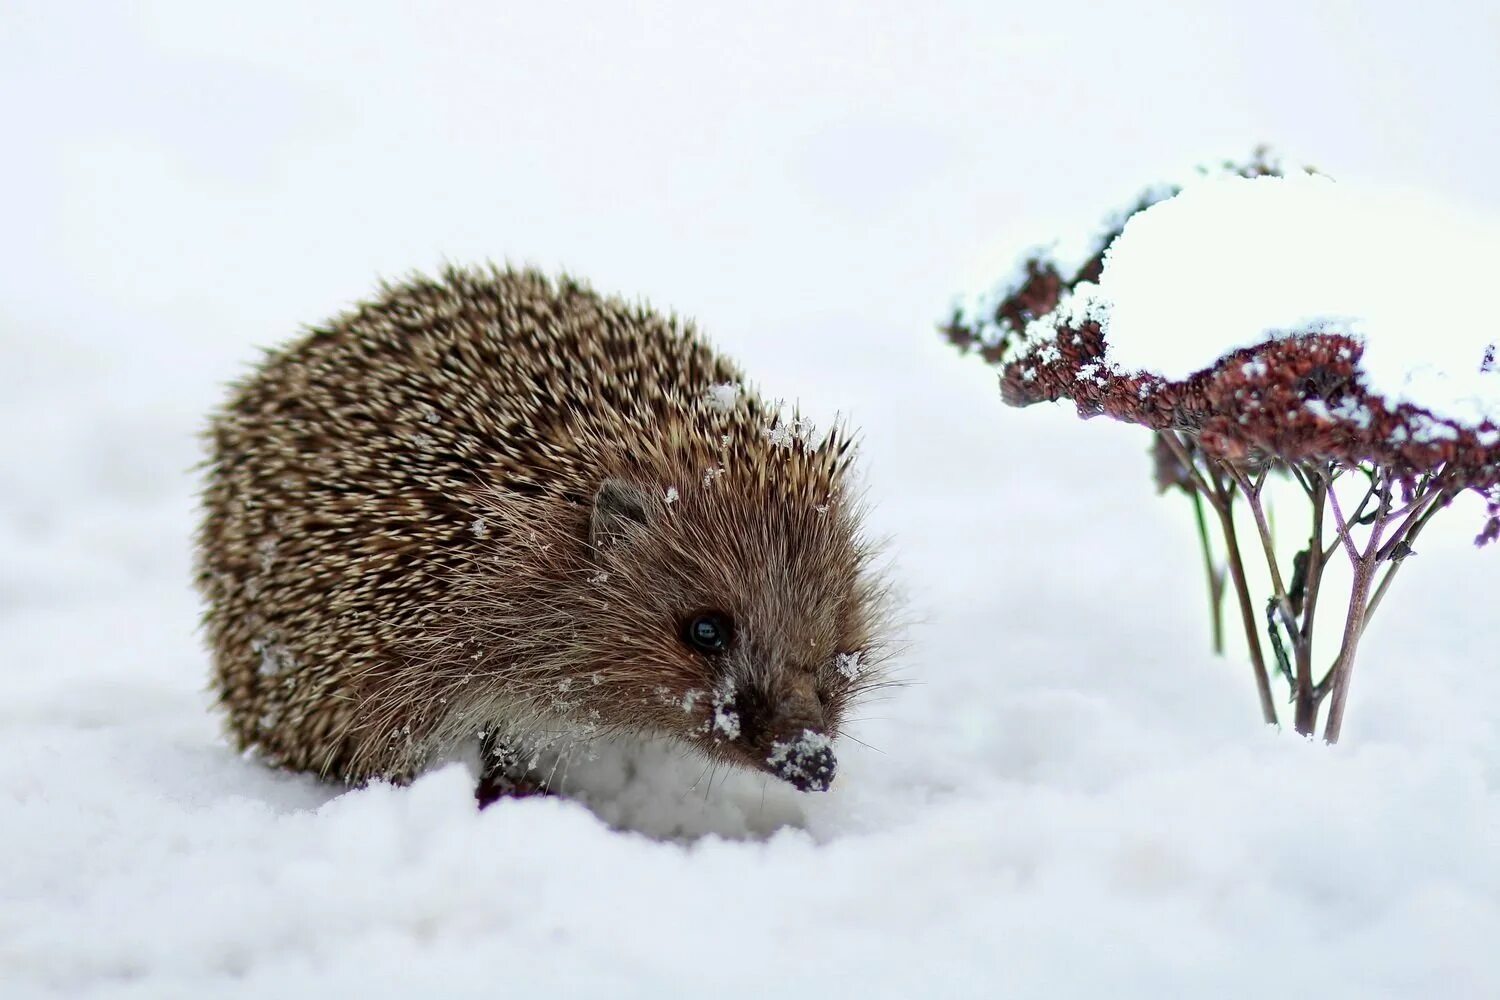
pixel 1293 398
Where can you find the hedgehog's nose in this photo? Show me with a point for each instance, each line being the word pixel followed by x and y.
pixel 806 761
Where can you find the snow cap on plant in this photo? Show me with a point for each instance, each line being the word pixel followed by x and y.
pixel 1328 383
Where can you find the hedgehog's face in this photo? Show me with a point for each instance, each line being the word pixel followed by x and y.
pixel 754 615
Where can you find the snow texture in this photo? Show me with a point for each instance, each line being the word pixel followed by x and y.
pixel 849 664
pixel 1070 798
pixel 723 397
pixel 787 431
pixel 726 720
pixel 1230 262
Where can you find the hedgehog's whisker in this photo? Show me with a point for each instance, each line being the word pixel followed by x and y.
pixel 861 742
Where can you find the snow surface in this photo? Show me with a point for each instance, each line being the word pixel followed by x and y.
pixel 1230 262
pixel 1071 798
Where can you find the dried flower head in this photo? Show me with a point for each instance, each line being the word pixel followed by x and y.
pixel 1299 395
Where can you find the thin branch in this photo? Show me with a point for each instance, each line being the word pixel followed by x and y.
pixel 1354 624
pixel 1382 518
pixel 1302 479
pixel 1410 536
pixel 1419 497
pixel 1359 515
pixel 1180 450
pixel 1252 497
pixel 1214 574
pixel 1419 511
pixel 1338 676
pixel 1308 699
pixel 1242 591
pixel 1342 525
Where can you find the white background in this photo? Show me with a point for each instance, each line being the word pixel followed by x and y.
pixel 1072 797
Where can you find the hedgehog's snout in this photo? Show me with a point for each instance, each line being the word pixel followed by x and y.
pixel 800 750
pixel 806 761
pixel 783 731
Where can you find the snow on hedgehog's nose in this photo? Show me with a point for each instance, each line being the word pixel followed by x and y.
pixel 800 750
pixel 806 761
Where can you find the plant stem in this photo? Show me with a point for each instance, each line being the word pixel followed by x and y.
pixel 1342 526
pixel 1180 450
pixel 1225 509
pixel 1391 532
pixel 1214 575
pixel 1263 527
pixel 1404 535
pixel 1359 603
pixel 1343 666
pixel 1308 698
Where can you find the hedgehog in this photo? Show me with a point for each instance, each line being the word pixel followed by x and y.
pixel 500 510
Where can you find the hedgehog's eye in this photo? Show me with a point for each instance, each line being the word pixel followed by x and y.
pixel 708 632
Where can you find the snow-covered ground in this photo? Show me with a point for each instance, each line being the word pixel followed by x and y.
pixel 1071 797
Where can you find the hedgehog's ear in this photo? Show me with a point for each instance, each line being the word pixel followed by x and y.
pixel 620 510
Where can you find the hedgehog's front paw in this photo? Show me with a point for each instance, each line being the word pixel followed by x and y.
pixel 502 774
pixel 497 784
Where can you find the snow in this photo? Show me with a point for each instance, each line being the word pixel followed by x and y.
pixel 787 430
pixel 806 760
pixel 726 721
pixel 1069 798
pixel 851 665
pixel 1231 262
pixel 722 397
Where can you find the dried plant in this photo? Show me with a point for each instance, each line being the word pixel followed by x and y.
pixel 1373 473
